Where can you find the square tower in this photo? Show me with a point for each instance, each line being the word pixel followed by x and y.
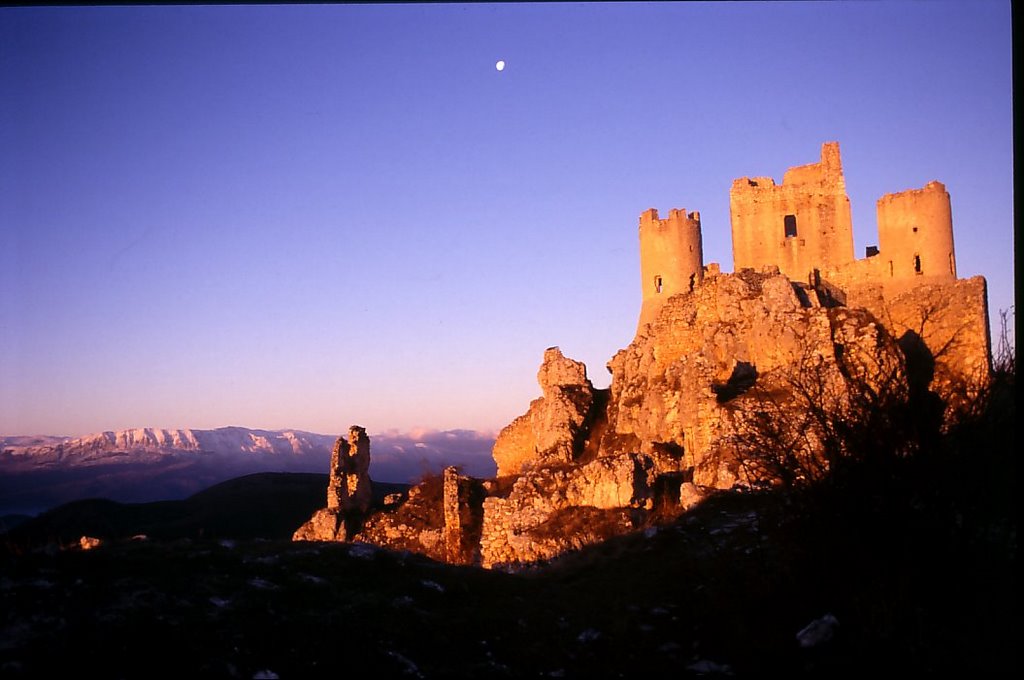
pixel 800 225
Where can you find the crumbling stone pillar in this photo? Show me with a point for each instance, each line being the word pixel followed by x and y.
pixel 349 491
pixel 356 466
pixel 452 518
pixel 349 486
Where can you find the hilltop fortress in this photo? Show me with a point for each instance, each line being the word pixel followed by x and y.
pixel 803 227
pixel 714 356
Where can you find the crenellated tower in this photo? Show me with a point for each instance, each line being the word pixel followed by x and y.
pixel 671 258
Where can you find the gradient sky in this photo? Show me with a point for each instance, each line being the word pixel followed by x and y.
pixel 313 216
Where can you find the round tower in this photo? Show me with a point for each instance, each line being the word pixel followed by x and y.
pixel 671 258
pixel 915 236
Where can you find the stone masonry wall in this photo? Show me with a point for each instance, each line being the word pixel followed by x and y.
pixel 818 231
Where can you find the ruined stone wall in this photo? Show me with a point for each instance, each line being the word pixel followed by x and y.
pixel 452 515
pixel 671 258
pixel 854 275
pixel 800 225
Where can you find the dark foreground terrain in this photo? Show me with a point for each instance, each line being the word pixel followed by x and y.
pixel 892 564
pixel 724 589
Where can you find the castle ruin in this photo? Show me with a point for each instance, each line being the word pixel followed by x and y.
pixel 803 227
pixel 583 464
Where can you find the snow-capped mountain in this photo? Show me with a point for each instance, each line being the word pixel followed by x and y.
pixel 148 444
pixel 143 464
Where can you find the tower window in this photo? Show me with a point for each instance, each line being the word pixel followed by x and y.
pixel 789 223
pixel 657 284
pixel 917 264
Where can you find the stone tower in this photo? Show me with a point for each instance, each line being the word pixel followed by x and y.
pixel 800 225
pixel 915 236
pixel 671 258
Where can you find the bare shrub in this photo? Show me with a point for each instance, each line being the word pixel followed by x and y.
pixel 1004 363
pixel 806 424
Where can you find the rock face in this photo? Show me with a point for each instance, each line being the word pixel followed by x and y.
pixel 552 430
pixel 672 386
pixel 667 433
pixel 594 501
pixel 417 523
pixel 943 330
pixel 349 491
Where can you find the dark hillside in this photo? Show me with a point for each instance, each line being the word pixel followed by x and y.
pixel 262 505
pixel 724 590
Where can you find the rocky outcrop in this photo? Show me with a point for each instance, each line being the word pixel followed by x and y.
pixel 673 386
pixel 672 415
pixel 943 330
pixel 552 430
pixel 583 465
pixel 416 524
pixel 89 543
pixel 552 509
pixel 324 525
pixel 349 491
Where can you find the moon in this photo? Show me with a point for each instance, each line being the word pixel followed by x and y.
pixel 500 65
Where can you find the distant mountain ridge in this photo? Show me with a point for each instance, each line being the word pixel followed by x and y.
pixel 141 444
pixel 146 464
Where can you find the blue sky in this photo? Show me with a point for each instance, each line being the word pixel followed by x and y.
pixel 313 216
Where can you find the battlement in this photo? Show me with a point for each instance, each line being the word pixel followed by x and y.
pixel 678 218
